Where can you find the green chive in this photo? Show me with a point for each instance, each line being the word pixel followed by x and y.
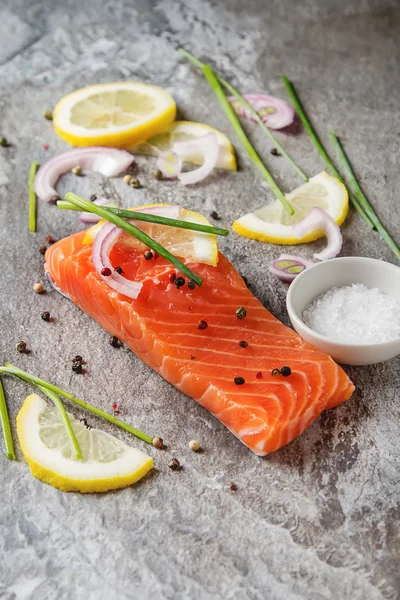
pixel 230 113
pixel 5 423
pixel 151 218
pixel 32 196
pixel 9 368
pixel 64 418
pixel 353 183
pixel 243 101
pixel 104 213
pixel 317 143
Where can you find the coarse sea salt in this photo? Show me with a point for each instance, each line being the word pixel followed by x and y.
pixel 354 314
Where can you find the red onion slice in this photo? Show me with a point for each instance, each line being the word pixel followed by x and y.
pixel 317 220
pixel 275 113
pixel 106 161
pixel 88 217
pixel 206 144
pixel 103 243
pixel 288 266
pixel 170 164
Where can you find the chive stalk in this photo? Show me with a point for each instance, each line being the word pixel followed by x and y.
pixel 243 101
pixel 5 424
pixel 318 144
pixel 363 200
pixel 151 218
pixel 230 113
pixel 64 418
pixel 32 196
pixel 104 213
pixel 12 370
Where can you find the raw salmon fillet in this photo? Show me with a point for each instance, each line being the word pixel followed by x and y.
pixel 161 327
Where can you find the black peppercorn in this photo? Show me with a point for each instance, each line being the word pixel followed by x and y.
pixel 241 312
pixel 148 255
pixel 77 367
pixel 191 284
pixel 21 347
pixel 214 215
pixel 115 343
pixel 45 315
pixel 174 464
pixel 239 380
pixel 93 197
pixel 119 270
pixel 275 152
pixel 286 371
pixel 42 249
pixel 179 282
pixel 202 325
pixel 243 344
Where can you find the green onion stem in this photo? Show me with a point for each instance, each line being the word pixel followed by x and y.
pixel 104 213
pixel 64 418
pixel 12 370
pixel 32 196
pixel 5 423
pixel 243 101
pixel 317 143
pixel 353 183
pixel 151 218
pixel 230 113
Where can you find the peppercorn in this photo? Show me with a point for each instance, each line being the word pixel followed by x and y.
pixel 50 239
pixel 286 371
pixel 48 115
pixel 4 142
pixel 191 284
pixel 158 443
pixel 243 344
pixel 78 358
pixel 127 179
pixel 192 358
pixel 214 215
pixel 115 343
pixel 233 487
pixel 202 325
pixel 148 255
pixel 135 183
pixel 77 170
pixel 21 347
pixel 42 249
pixel 259 375
pixel 158 175
pixel 119 270
pixel 45 315
pixel 194 445
pixel 275 152
pixel 38 288
pixel 106 272
pixel 77 367
pixel 275 372
pixel 172 277
pixel 174 464
pixel 93 197
pixel 239 380
pixel 179 282
pixel 241 312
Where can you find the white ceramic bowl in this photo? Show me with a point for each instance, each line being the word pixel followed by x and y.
pixel 338 272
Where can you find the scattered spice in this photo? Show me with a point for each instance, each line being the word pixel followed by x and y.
pixel 106 272
pixel 202 325
pixel 4 142
pixel 259 375
pixel 77 170
pixel 148 255
pixel 46 147
pixel 158 175
pixel 239 380
pixel 135 183
pixel 275 152
pixel 233 487
pixel 115 408
pixel 115 343
pixel 77 367
pixel 78 358
pixel 241 312
pixel 38 288
pixel 194 445
pixel 119 270
pixel 192 358
pixel 86 424
pixel 191 284
pixel 42 249
pixel 158 443
pixel 48 115
pixel 21 346
pixel 243 344
pixel 214 215
pixel 50 239
pixel 286 371
pixel 45 315
pixel 93 197
pixel 179 282
pixel 174 464
pixel 172 277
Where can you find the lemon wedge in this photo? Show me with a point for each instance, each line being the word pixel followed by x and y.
pixel 273 224
pixel 107 464
pixel 184 131
pixel 113 114
pixel 183 243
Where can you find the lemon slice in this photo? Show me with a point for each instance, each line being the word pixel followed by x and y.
pixel 184 131
pixel 113 114
pixel 183 243
pixel 273 224
pixel 107 462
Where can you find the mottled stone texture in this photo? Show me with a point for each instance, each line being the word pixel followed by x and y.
pixel 320 518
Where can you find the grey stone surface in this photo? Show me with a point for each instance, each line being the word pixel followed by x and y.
pixel 318 519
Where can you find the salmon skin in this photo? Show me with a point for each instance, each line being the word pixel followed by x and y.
pixel 162 328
